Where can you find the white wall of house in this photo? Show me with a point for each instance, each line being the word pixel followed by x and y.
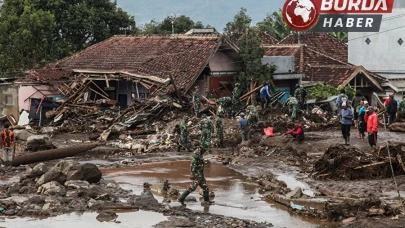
pixel 383 55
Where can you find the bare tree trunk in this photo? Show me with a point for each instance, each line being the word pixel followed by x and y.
pixel 253 95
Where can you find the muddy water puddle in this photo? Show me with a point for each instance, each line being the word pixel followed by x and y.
pixel 235 195
pixel 139 219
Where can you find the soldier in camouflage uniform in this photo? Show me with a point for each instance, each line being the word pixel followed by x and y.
pixel 300 94
pixel 292 103
pixel 196 101
pixel 236 104
pixel 253 116
pixel 220 131
pixel 184 140
pixel 206 131
pixel 226 106
pixel 197 175
pixel 177 134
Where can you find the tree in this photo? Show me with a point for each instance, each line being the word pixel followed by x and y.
pixel 250 61
pixel 275 25
pixel 182 24
pixel 151 28
pixel 322 91
pixel 240 23
pixel 342 36
pixel 34 32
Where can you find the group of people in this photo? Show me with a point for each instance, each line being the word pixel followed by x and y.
pixel 363 117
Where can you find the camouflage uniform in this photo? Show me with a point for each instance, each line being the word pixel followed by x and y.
pixel 177 133
pixel 402 106
pixel 226 106
pixel 292 102
pixel 196 102
pixel 184 140
pixel 206 131
pixel 236 104
pixel 253 116
pixel 197 172
pixel 220 131
pixel 299 94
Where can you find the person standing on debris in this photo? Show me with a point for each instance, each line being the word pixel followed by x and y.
pixel 220 131
pixel 196 101
pixel 176 134
pixel 197 176
pixel 362 120
pixel 7 141
pixel 243 124
pixel 392 109
pixel 236 104
pixel 253 116
pixel 346 117
pixel 402 105
pixel 265 96
pixel 206 131
pixel 226 106
pixel 356 103
pixel 292 103
pixel 342 98
pixel 185 142
pixel 300 94
pixel 372 127
pixel 297 132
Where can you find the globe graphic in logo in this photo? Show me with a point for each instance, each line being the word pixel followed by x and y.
pixel 300 14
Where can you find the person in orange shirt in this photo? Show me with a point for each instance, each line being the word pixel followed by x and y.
pixel 372 127
pixel 7 141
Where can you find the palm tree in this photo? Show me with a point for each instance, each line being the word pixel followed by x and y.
pixel 342 36
pixel 274 25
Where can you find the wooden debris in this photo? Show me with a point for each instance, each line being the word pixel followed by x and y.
pixel 369 165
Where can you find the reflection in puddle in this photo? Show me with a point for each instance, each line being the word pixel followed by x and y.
pixel 140 219
pixel 235 196
pixel 292 183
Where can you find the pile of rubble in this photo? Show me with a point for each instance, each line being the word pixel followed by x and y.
pixel 342 163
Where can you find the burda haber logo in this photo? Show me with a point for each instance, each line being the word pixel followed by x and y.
pixel 336 15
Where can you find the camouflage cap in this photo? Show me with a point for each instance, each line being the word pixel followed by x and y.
pixel 204 145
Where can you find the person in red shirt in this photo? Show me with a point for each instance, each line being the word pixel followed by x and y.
pixel 297 132
pixel 6 142
pixel 372 127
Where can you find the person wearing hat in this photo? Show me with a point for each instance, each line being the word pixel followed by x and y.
pixel 392 109
pixel 297 132
pixel 243 124
pixel 206 129
pixel 362 126
pixel 184 139
pixel 346 117
pixel 372 127
pixel 197 176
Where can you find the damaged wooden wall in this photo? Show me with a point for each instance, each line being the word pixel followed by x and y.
pixel 9 100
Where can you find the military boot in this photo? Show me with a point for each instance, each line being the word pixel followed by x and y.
pixel 183 197
pixel 207 200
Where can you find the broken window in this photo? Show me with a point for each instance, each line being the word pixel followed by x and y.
pixel 9 100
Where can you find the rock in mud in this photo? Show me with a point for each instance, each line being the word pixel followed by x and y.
pixel 95 204
pixel 46 207
pixel 38 170
pixel 107 217
pixel 176 222
pixel 91 173
pixel 296 193
pixel 39 143
pixel 77 184
pixel 37 200
pixel 54 174
pixel 143 201
pixel 112 185
pixel 22 134
pixel 52 188
pixel 98 193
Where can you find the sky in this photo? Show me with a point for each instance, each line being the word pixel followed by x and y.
pixel 213 12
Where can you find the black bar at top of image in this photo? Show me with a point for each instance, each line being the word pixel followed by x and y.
pixel 375 25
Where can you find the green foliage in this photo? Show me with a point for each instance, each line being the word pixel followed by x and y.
pixel 182 24
pixel 274 25
pixel 250 61
pixel 342 36
pixel 239 25
pixel 323 91
pixel 35 32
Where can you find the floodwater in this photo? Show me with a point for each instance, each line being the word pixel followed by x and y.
pixel 235 196
pixel 139 219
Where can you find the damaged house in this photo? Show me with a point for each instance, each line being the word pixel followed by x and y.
pixel 122 68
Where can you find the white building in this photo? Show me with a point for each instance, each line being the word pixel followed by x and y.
pixel 383 52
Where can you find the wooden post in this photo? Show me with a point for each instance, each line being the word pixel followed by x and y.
pixel 106 81
pixel 175 88
pixel 253 95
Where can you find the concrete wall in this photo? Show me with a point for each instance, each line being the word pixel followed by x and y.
pixel 9 101
pixel 129 87
pixel 383 55
pixel 25 92
pixel 284 64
